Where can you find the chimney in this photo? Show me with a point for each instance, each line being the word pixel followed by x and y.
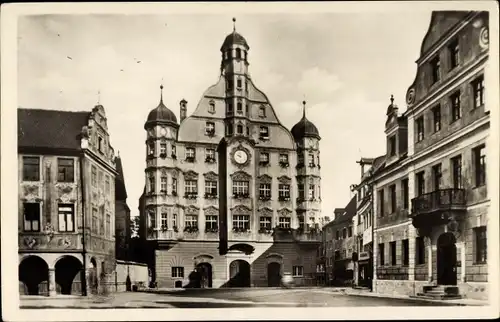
pixel 183 108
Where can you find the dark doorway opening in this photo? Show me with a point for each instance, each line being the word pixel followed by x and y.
pixel 205 272
pixel 273 274
pixel 239 271
pixel 34 276
pixel 446 260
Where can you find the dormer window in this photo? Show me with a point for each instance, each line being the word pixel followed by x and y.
pixel 211 107
pixel 264 158
pixel 262 111
pixel 436 70
pixel 210 128
pixel 420 128
pixel 239 129
pixel 454 51
pixel 264 133
pixel 392 146
pixel 190 154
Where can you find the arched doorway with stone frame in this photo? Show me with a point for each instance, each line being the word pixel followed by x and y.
pixel 274 270
pixel 204 267
pixel 446 259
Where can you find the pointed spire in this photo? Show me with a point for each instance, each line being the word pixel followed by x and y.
pixel 161 91
pixel 234 24
pixel 304 109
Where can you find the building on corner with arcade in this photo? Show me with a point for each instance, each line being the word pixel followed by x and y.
pixel 66 222
pixel 431 195
pixel 265 180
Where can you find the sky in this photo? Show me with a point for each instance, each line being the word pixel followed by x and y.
pixel 346 66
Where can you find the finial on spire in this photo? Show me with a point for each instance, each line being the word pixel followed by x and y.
pixel 234 24
pixel 98 97
pixel 161 90
pixel 304 108
pixel 392 99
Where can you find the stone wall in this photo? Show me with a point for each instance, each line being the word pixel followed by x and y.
pixel 395 287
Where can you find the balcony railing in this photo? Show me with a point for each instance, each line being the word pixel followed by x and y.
pixel 439 200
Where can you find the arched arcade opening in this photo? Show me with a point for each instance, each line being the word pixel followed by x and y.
pixel 33 276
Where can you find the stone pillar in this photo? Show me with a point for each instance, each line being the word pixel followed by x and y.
pixel 411 252
pixel 52 282
pixel 429 258
pixel 462 261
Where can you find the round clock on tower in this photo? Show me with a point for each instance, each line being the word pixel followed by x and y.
pixel 240 157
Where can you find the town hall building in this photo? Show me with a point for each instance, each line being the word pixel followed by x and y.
pixel 232 156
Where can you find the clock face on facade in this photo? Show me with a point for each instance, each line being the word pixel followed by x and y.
pixel 240 156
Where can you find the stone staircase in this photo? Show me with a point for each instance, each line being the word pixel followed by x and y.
pixel 440 292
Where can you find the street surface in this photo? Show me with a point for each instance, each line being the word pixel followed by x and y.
pixel 225 298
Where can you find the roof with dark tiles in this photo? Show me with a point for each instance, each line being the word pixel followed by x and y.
pixel 50 128
pixel 120 190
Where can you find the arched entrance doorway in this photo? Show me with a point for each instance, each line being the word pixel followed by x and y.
pixel 93 278
pixel 273 274
pixel 68 275
pixel 446 260
pixel 205 273
pixel 239 271
pixel 34 276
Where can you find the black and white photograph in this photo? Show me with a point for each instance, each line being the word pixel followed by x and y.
pixel 248 160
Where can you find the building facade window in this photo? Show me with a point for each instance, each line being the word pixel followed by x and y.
pixel 190 154
pixel 95 219
pixel 262 111
pixel 209 128
pixel 264 158
pixel 454 51
pixel 349 231
pixel 437 176
pixel 311 160
pixel 65 170
pixel 392 146
pixel 152 184
pixel 191 221
pixel 229 129
pixel 108 225
pixel 298 271
pixel 163 184
pixel 66 214
pixel 31 169
pixel 420 128
pixel 312 194
pixel 107 185
pixel 392 192
pixel 381 199
pixel 151 149
pixel 404 189
pixel 381 254
pixel 240 188
pixel 420 250
pixel 456 110
pixel 420 178
pixel 211 188
pixel 284 191
pixel 479 154
pixel 344 233
pixel 436 70
pixel 209 155
pixel 392 247
pixel 284 222
pixel 211 107
pixel 164 221
pixel 239 107
pixel 283 159
pixel 191 188
pixel 241 222
pixel 478 88
pixel 174 186
pixel 436 114
pixel 481 244
pixel 456 168
pixel 265 191
pixel 163 150
pixel 265 222
pixel 212 223
pixel 177 272
pixel 264 133
pixel 405 247
pixel 31 214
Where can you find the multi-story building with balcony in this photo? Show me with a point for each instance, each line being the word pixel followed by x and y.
pixel 66 202
pixel 231 156
pixel 339 246
pixel 363 221
pixel 431 196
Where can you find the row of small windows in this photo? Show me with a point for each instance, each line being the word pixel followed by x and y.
pixel 178 271
pixel 239 109
pixel 455 106
pixel 310 160
pixel 239 84
pixel 65 169
pixel 66 219
pixel 238 54
pixel 480 246
pixel 453 51
pixel 479 168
